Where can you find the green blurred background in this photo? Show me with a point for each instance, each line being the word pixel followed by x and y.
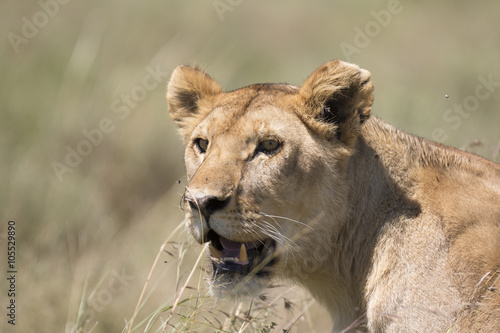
pixel 69 68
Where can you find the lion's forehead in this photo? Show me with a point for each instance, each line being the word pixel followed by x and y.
pixel 252 114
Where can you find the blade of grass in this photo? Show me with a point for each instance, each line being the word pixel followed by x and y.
pixel 189 277
pixel 139 302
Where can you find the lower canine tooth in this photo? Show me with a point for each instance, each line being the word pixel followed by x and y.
pixel 214 252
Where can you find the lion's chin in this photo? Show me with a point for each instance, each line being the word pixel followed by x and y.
pixel 240 269
pixel 237 287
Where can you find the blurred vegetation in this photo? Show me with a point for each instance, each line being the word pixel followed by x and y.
pixel 101 223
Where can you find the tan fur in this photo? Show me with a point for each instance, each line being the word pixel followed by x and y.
pixel 369 219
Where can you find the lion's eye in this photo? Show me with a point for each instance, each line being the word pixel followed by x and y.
pixel 268 146
pixel 201 144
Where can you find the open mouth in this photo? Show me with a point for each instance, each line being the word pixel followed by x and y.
pixel 236 257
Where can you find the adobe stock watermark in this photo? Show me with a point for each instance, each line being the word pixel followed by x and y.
pixel 102 298
pixel 223 6
pixel 372 29
pixel 455 116
pixel 120 108
pixel 31 26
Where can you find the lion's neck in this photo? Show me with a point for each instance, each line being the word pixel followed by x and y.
pixel 383 180
pixel 377 178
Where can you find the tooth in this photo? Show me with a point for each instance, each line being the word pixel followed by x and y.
pixel 243 254
pixel 214 252
pixel 230 259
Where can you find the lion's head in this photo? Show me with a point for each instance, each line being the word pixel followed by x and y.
pixel 265 167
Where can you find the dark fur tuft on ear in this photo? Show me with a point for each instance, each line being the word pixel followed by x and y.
pixel 338 95
pixel 187 89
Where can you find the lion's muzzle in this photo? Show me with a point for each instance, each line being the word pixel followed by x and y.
pixel 206 205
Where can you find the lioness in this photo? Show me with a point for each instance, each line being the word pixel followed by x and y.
pixel 300 183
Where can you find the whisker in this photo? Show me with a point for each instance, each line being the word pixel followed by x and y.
pixel 274 234
pixel 276 231
pixel 271 228
pixel 290 248
pixel 286 219
pixel 257 236
pixel 284 241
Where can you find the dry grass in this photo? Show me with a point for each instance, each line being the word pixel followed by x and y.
pixel 191 309
pixel 94 235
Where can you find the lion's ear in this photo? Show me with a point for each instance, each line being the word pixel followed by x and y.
pixel 187 89
pixel 339 96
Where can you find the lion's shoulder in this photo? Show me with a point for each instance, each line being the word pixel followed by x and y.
pixel 458 199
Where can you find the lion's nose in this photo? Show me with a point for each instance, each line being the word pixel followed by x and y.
pixel 207 205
